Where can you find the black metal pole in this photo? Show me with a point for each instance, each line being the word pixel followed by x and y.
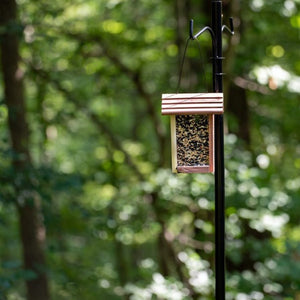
pixel 219 157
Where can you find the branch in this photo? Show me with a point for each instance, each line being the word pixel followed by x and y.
pixel 251 85
pixel 95 119
pixel 188 241
pixel 134 75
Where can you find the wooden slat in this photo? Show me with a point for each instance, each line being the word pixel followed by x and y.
pixel 197 169
pixel 192 96
pixel 191 111
pixel 197 103
pixel 193 100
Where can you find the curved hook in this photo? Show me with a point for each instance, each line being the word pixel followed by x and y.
pixel 206 28
pixel 231 29
pixel 191 29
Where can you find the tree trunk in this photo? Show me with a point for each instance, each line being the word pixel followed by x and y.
pixel 239 108
pixel 33 239
pixel 182 10
pixel 235 97
pixel 27 200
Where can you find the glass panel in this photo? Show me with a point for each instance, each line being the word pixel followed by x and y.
pixel 192 137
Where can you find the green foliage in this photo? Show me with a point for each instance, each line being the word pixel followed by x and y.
pixel 119 224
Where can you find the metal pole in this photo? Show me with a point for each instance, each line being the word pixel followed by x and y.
pixel 219 157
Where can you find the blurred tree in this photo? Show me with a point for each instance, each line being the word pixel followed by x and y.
pixel 119 224
pixel 27 200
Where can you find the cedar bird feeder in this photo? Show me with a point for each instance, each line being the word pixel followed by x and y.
pixel 192 130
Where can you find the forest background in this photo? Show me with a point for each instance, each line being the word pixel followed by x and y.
pixel 89 208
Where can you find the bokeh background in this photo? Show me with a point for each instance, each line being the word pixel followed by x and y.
pixel 89 208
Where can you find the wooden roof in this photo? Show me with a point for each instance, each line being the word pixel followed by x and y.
pixel 192 104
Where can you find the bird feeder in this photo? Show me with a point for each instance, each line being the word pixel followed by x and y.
pixel 192 130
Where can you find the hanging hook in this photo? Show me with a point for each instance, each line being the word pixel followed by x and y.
pixel 206 28
pixel 231 29
pixel 231 25
pixel 191 29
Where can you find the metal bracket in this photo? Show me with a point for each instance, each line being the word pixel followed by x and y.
pixel 231 29
pixel 207 28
